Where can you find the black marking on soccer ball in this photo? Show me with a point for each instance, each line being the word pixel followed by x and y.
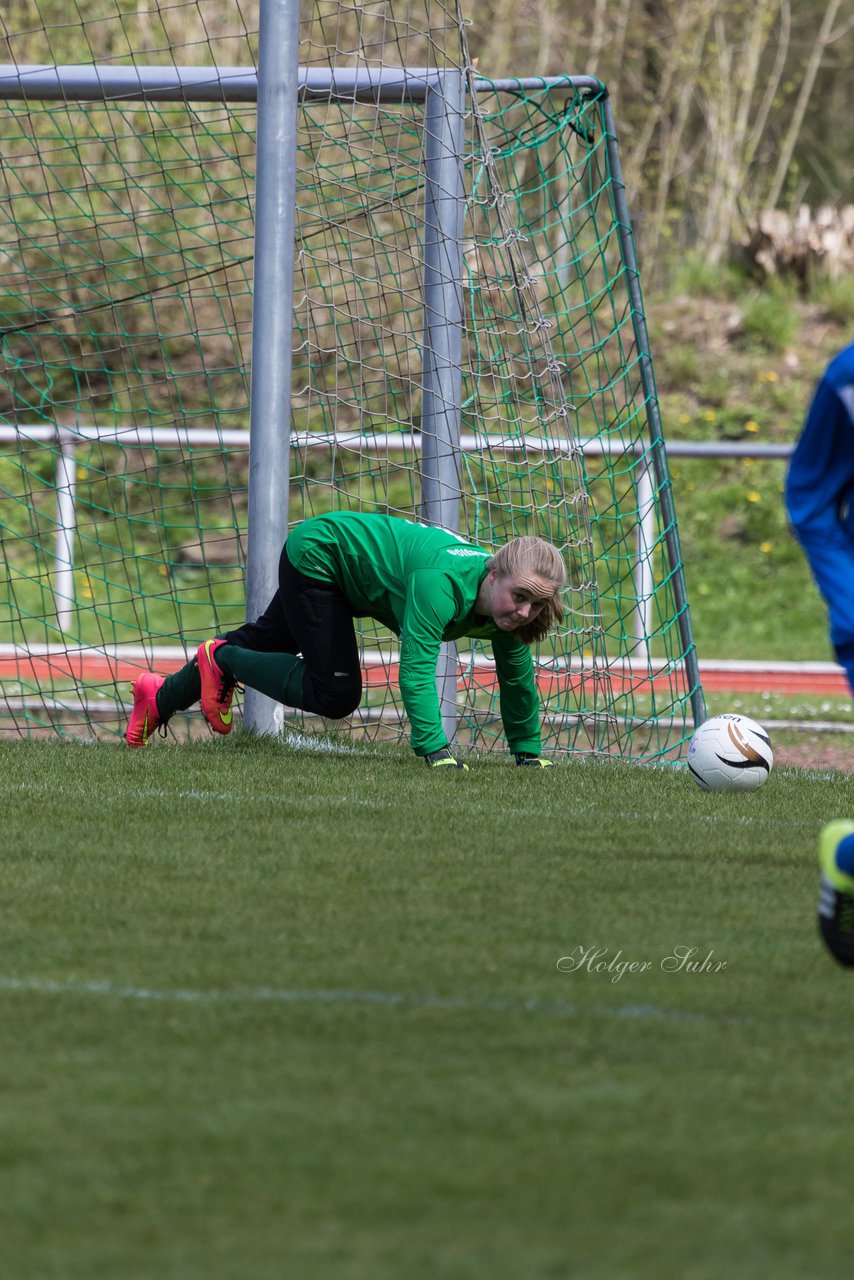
pixel 698 777
pixel 758 763
pixel 742 745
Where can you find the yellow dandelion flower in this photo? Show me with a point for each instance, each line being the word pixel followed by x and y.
pixel 684 419
pixel 709 415
pixel 752 426
pixel 753 496
pixel 765 547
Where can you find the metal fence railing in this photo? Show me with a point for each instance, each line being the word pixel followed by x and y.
pixel 66 440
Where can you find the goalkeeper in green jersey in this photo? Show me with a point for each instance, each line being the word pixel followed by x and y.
pixel 424 583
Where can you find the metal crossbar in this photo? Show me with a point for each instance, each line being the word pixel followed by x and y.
pixel 81 82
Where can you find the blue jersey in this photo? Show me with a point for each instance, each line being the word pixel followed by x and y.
pixel 820 498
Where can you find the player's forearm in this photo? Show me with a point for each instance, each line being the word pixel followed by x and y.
pixel 421 703
pixel 520 715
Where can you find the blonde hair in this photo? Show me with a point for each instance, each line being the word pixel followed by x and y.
pixel 531 557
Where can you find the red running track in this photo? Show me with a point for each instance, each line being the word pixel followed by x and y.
pixel 820 679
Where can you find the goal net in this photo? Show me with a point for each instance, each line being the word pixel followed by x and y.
pixel 127 154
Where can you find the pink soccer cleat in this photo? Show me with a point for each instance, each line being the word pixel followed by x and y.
pixel 217 688
pixel 144 718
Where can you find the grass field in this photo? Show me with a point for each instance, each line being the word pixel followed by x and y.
pixel 273 1012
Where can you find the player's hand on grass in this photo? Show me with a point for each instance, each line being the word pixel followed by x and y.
pixel 531 761
pixel 444 760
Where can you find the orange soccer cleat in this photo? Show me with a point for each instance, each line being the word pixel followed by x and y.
pixel 144 718
pixel 217 688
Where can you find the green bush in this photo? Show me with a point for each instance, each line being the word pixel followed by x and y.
pixel 836 297
pixel 770 318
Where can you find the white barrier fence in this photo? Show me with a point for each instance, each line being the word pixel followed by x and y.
pixel 66 440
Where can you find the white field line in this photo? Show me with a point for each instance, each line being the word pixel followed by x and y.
pixel 75 987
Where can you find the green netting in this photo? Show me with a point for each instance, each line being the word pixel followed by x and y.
pixel 125 309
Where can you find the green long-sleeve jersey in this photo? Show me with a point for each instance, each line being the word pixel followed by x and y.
pixel 422 583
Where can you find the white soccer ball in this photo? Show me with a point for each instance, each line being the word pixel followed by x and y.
pixel 730 753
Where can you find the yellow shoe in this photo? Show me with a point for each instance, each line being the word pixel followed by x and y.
pixel 836 896
pixel 830 843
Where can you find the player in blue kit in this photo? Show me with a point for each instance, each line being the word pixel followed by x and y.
pixel 820 499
